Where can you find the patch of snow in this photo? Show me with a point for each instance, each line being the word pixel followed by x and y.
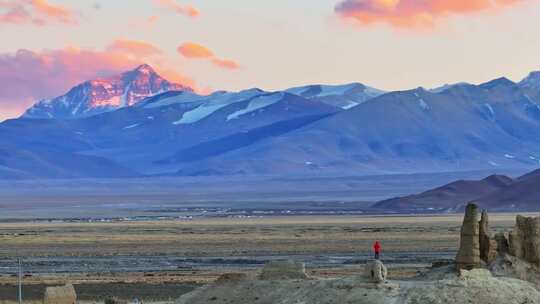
pixel 76 109
pixel 446 87
pixel 131 126
pixel 214 98
pixel 424 105
pixel 256 104
pixel 180 98
pixel 330 90
pixel 351 105
pixel 490 109
pixel 373 92
pixel 198 113
pixel 532 101
pixel 509 156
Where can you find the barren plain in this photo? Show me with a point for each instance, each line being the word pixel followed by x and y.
pixel 139 258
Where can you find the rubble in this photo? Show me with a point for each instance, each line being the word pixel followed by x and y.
pixel 60 295
pixel 283 270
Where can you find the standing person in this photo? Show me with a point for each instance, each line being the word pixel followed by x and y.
pixel 377 249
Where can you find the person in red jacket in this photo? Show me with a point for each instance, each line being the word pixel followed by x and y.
pixel 377 249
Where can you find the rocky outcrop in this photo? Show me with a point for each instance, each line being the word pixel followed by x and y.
pixel 476 286
pixel 468 256
pixel 283 270
pixel 524 240
pixel 60 295
pixel 488 245
pixel 376 271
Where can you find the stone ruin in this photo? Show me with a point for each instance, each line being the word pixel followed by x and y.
pixel 468 256
pixel 488 244
pixel 283 270
pixel 376 271
pixel 60 295
pixel 478 247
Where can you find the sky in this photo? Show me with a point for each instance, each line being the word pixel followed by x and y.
pixel 48 46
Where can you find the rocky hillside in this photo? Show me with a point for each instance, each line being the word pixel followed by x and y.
pixel 496 193
pixel 447 197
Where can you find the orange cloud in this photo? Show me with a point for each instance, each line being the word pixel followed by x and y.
pixel 193 50
pixel 36 12
pixel 27 76
pixel 138 49
pixel 185 10
pixel 414 14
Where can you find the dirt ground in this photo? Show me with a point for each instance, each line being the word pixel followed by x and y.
pixel 309 237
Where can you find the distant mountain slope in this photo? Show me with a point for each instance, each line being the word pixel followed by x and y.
pixel 495 193
pixel 522 195
pixel 105 94
pixel 146 137
pixel 450 196
pixel 489 126
pixel 20 163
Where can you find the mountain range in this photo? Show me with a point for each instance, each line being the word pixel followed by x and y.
pixel 496 193
pixel 139 124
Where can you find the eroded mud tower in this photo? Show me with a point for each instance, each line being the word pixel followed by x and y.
pixel 524 240
pixel 488 245
pixel 468 256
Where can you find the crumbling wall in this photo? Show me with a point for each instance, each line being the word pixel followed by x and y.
pixel 60 295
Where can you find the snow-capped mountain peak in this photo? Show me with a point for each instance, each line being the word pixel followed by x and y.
pixel 532 81
pixel 343 96
pixel 104 94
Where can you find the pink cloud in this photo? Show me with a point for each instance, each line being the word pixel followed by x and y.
pixel 414 14
pixel 193 50
pixel 225 64
pixel 153 19
pixel 28 76
pixel 35 12
pixel 185 10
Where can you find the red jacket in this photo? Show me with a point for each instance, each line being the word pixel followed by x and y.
pixel 377 247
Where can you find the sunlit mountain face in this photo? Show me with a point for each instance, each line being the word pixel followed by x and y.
pixel 104 94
